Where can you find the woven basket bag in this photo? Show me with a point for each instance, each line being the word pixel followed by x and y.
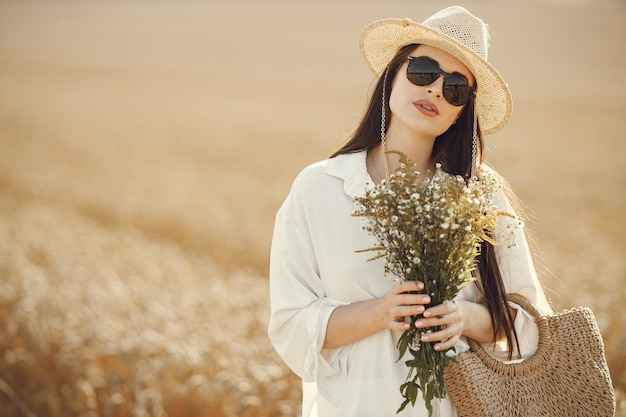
pixel 566 377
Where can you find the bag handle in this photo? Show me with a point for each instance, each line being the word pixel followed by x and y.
pixel 528 365
pixel 525 304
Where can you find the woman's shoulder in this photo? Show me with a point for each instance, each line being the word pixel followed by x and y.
pixel 311 175
pixel 490 172
pixel 503 194
pixel 329 170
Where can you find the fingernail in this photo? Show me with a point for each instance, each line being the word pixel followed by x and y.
pixel 419 323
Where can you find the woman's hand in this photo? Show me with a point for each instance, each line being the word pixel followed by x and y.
pixel 400 302
pixel 450 316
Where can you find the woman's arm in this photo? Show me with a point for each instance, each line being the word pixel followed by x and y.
pixel 350 323
pixel 353 322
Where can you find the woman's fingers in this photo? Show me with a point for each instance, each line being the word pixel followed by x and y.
pixel 447 343
pixel 445 333
pixel 408 310
pixel 443 309
pixel 405 300
pixel 409 286
pixel 449 317
pixel 401 301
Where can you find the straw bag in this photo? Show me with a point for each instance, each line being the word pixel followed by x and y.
pixel 566 377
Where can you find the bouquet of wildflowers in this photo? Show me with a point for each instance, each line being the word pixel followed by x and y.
pixel 429 230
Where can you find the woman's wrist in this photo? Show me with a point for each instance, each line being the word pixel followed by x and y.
pixel 351 322
pixel 476 321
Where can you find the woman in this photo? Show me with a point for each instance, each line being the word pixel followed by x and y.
pixel 336 318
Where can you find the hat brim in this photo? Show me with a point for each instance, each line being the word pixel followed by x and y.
pixel 380 41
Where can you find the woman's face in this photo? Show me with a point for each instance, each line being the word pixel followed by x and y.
pixel 422 110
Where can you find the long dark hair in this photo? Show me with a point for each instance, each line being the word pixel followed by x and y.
pixel 453 149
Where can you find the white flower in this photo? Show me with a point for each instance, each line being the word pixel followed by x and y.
pixel 416 344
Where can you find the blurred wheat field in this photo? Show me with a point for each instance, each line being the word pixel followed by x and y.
pixel 146 146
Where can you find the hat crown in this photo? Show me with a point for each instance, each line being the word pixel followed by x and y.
pixel 460 25
pixel 457 32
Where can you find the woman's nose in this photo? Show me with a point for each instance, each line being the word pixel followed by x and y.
pixel 436 88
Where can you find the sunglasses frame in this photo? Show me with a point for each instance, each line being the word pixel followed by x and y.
pixel 450 92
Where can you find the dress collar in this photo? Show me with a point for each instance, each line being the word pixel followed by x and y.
pixel 352 169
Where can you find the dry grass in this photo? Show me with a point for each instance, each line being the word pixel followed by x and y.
pixel 145 147
pixel 104 321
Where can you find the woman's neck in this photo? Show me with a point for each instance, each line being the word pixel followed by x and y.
pixel 421 157
pixel 418 150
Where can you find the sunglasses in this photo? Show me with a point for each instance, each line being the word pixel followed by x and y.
pixel 424 71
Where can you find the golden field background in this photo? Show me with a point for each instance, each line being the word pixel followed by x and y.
pixel 146 146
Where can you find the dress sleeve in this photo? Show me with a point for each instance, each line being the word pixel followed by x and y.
pixel 519 275
pixel 300 309
pixel 515 257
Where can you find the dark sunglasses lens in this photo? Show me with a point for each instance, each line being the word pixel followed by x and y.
pixel 456 90
pixel 422 72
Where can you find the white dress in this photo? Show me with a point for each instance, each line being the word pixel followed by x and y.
pixel 314 269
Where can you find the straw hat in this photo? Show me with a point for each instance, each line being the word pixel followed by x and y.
pixel 457 32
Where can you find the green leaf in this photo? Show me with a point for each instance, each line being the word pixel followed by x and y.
pixel 412 363
pixel 429 407
pixel 403 344
pixel 417 363
pixel 412 392
pixel 403 406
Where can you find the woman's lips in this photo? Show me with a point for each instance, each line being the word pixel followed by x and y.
pixel 426 107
